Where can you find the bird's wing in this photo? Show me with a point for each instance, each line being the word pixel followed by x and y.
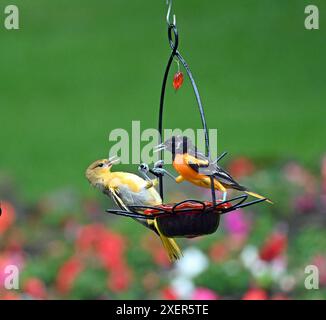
pixel 193 151
pixel 203 166
pixel 114 192
pixel 196 163
pixel 124 198
pixel 115 195
pixel 224 177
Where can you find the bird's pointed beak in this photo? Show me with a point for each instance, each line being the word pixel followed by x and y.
pixel 159 147
pixel 113 160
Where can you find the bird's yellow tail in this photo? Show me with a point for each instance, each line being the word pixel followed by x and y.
pixel 256 195
pixel 169 245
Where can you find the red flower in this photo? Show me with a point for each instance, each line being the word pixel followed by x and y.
pixel 88 237
pixel 35 288
pixel 161 258
pixel 255 294
pixel 107 245
pixel 68 273
pixel 110 249
pixel 168 294
pixel 241 167
pixel 273 247
pixel 153 245
pixel 7 217
pixel 10 296
pixel 120 279
pixel 218 252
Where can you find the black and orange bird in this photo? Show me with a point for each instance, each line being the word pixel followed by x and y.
pixel 196 168
pixel 128 189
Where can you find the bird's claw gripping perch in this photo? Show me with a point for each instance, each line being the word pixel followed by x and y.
pixel 159 164
pixel 158 170
pixel 143 169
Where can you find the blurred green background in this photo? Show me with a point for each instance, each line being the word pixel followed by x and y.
pixel 76 70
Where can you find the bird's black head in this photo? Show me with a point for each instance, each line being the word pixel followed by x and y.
pixel 176 144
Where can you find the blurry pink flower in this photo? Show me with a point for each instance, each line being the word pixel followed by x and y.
pixel 299 176
pixel 305 203
pixel 323 174
pixel 320 262
pixel 273 247
pixel 241 167
pixel 236 241
pixel 7 259
pixel 67 274
pixel 323 187
pixel 237 223
pixel 35 288
pixel 280 296
pixel 8 216
pixel 255 294
pixel 323 199
pixel 204 294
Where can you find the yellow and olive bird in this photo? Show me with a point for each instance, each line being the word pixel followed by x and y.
pixel 196 168
pixel 128 189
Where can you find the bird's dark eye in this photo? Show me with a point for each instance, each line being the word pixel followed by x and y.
pixel 100 165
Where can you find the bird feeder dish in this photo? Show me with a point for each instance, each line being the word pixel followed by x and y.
pixel 187 218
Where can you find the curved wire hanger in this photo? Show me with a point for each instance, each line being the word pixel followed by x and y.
pixel 169 3
pixel 175 54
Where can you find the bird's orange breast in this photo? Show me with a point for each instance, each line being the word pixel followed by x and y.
pixel 182 167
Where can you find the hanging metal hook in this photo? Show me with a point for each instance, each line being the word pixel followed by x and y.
pixel 169 3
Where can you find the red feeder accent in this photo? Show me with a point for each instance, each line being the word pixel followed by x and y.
pixel 189 219
pixel 178 80
pixel 193 207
